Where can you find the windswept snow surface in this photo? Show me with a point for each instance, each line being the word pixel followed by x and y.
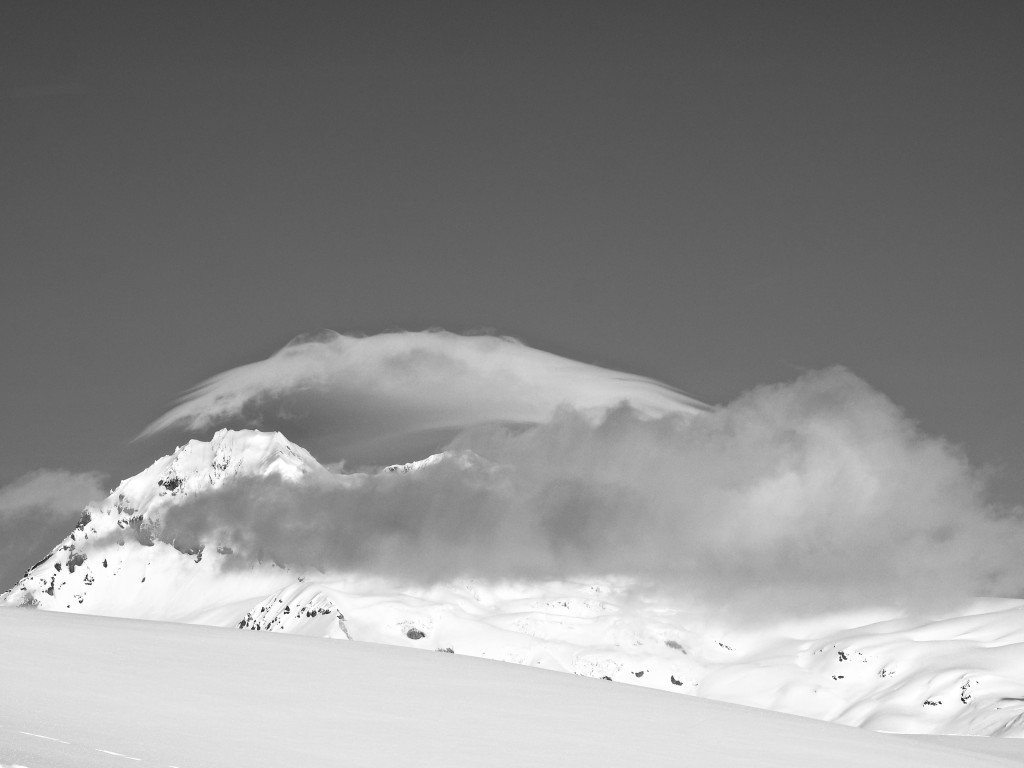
pixel 961 674
pixel 89 691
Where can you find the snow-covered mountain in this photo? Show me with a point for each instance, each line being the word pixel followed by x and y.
pixel 113 562
pixel 96 692
pixel 954 674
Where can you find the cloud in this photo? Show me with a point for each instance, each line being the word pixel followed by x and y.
pixel 813 495
pixel 342 395
pixel 36 511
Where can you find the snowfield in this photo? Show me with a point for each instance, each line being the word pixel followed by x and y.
pixel 89 691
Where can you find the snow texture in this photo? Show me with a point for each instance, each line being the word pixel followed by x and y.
pixel 90 692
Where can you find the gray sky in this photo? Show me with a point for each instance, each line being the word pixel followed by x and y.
pixel 715 195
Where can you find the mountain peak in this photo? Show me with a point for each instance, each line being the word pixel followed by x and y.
pixel 248 451
pixel 111 534
pixel 198 464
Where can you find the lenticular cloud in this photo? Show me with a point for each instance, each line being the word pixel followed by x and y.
pixel 365 389
pixel 813 494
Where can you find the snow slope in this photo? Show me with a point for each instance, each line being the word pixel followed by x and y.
pixel 947 674
pixel 92 692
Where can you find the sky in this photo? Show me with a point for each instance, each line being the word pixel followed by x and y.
pixel 716 196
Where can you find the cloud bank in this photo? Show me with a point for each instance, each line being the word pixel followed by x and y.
pixel 36 512
pixel 814 495
pixel 336 394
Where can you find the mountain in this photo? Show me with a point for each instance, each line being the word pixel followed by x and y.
pixel 947 674
pixel 113 564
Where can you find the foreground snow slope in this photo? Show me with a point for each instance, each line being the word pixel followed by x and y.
pixel 91 691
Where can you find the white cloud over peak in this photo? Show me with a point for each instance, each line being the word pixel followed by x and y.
pixel 813 495
pixel 36 512
pixel 337 391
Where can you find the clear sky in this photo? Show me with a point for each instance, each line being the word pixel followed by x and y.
pixel 716 195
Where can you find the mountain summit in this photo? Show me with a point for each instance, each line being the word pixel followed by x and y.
pixel 113 562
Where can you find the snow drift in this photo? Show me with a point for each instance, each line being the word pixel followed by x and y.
pixel 208 698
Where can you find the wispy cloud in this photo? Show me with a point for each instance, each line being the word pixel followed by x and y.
pixel 36 511
pixel 334 392
pixel 811 495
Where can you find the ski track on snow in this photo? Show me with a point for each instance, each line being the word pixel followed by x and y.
pixel 80 746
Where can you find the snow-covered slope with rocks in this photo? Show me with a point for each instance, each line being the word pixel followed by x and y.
pixel 159 694
pixel 961 674
pixel 114 564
